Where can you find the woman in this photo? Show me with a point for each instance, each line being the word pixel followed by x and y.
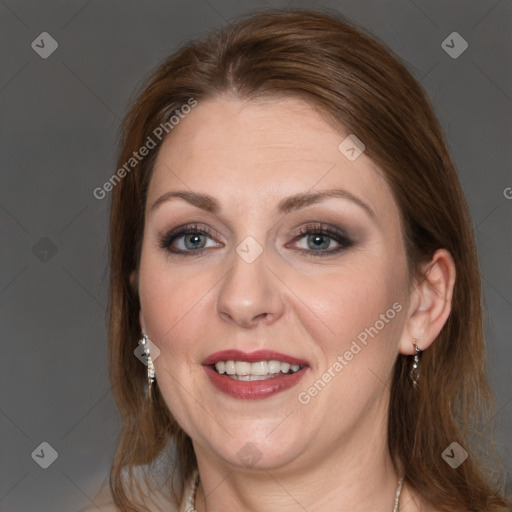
pixel 291 248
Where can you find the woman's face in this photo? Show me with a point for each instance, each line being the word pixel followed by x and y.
pixel 266 281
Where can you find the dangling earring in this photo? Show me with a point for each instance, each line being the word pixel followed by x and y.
pixel 151 369
pixel 414 374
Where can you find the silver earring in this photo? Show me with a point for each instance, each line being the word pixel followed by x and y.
pixel 414 374
pixel 151 369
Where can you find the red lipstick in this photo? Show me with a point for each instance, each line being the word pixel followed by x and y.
pixel 252 357
pixel 255 389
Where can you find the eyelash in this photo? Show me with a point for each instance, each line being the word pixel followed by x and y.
pixel 337 235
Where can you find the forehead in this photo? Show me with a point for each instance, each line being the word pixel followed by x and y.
pixel 264 150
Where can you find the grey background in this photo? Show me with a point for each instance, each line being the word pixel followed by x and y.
pixel 58 126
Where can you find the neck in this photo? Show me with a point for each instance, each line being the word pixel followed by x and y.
pixel 357 476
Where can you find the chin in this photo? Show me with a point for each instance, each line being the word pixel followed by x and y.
pixel 257 449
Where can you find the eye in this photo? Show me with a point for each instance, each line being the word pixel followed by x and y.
pixel 313 239
pixel 322 240
pixel 188 239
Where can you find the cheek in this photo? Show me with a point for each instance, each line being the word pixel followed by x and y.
pixel 351 299
pixel 172 303
pixel 362 312
pixel 174 306
pixel 362 315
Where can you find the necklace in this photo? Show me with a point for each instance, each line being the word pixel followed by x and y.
pixel 190 498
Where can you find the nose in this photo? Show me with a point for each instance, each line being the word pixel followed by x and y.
pixel 250 294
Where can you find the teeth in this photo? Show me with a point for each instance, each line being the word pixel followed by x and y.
pixel 250 377
pixel 259 368
pixel 242 370
pixel 274 366
pixel 230 367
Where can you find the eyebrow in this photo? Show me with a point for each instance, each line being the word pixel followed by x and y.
pixel 295 202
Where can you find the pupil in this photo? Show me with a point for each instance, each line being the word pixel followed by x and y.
pixel 319 241
pixel 195 241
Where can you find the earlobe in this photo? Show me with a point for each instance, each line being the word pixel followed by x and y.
pixel 134 280
pixel 134 283
pixel 430 303
pixel 142 323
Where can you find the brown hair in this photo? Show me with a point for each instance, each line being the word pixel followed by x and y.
pixel 364 89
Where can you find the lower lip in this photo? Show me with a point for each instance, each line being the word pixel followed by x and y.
pixel 255 389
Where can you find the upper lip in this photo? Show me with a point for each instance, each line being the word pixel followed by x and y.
pixel 252 357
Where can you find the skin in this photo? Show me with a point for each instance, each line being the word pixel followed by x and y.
pixel 323 454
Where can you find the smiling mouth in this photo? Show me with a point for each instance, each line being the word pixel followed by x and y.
pixel 259 370
pixel 254 375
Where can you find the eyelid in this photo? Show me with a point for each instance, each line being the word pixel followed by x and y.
pixel 315 227
pixel 340 236
pixel 169 237
pixel 337 234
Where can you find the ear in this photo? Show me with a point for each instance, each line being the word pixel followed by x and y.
pixel 430 303
pixel 134 280
pixel 142 323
